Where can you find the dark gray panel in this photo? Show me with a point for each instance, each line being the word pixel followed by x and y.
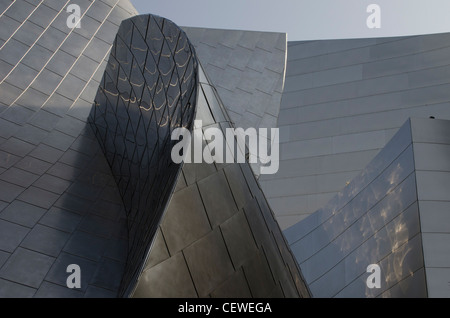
pixel 33 165
pixel 88 27
pixel 13 51
pixel 60 219
pixel 159 251
pixel 28 32
pixel 58 104
pixel 208 262
pixel 51 183
pixel 259 276
pixel 9 94
pixel 61 62
pixel 45 240
pixel 7 160
pixel 186 220
pixel 238 238
pixel 59 140
pixel 39 197
pixel 43 15
pixel 86 245
pixel 217 198
pixel 32 99
pixel 109 274
pixel 98 11
pixel 9 289
pixel 8 191
pixel 16 147
pixel 48 290
pixel 10 25
pixel 168 279
pixel 11 235
pixel 46 82
pixel 97 50
pixel 235 287
pixel 96 292
pixel 238 185
pixel 74 44
pixel 17 268
pixel 22 213
pixel 84 68
pixel 46 153
pixel 52 37
pixel 17 114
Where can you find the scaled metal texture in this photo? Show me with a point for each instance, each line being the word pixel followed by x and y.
pixel 393 214
pixel 71 196
pixel 59 204
pixel 219 237
pixel 149 88
pixel 343 100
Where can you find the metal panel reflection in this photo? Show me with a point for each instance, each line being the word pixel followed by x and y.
pixel 149 88
pixel 374 220
pixel 219 226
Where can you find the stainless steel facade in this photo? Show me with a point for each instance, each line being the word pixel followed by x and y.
pixel 66 199
pixel 388 215
pixel 247 68
pixel 219 237
pixel 59 204
pixel 149 88
pixel 342 101
pixel 71 196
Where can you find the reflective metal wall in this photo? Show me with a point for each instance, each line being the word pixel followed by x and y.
pixel 343 101
pixel 432 157
pixel 247 68
pixel 149 88
pixel 59 204
pixel 219 237
pixel 393 214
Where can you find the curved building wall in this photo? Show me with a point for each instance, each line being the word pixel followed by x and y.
pixel 59 204
pixel 374 220
pixel 394 214
pixel 247 68
pixel 149 88
pixel 218 237
pixel 65 199
pixel 342 101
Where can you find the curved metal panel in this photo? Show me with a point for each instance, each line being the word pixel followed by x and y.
pixel 218 237
pixel 149 88
pixel 58 205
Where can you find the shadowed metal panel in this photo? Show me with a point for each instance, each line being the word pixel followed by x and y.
pixel 149 88
pixel 237 249
pixel 58 203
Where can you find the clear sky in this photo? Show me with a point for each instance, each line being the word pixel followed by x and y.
pixel 306 19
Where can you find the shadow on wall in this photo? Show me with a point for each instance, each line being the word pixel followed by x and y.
pixel 92 209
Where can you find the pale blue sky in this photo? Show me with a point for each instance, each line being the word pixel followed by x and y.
pixel 306 19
